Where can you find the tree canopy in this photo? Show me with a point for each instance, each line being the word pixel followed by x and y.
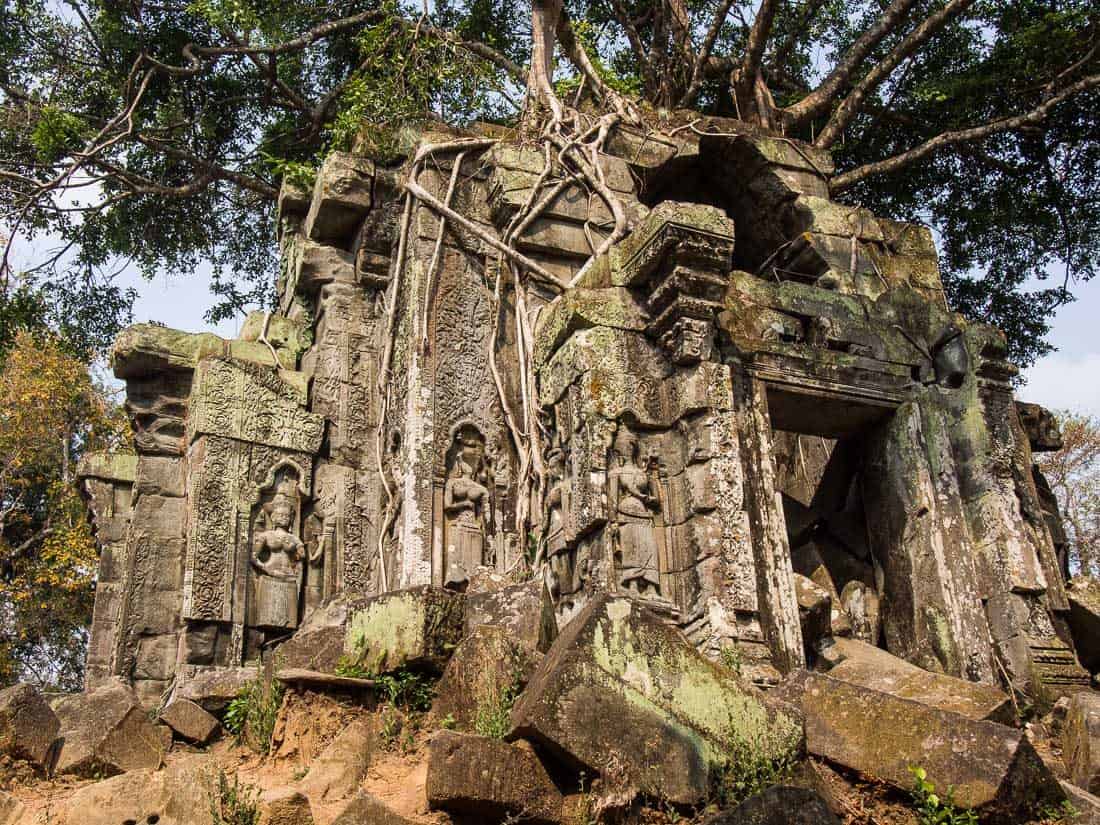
pixel 157 133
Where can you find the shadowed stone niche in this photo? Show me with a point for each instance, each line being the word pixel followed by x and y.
pixel 757 396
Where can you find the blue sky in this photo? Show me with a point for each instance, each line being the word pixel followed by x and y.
pixel 1068 378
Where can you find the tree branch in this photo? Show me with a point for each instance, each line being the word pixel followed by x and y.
pixel 703 56
pixel 830 88
pixel 953 138
pixel 754 49
pixel 852 104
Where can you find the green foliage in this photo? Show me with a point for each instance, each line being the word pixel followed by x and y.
pixel 352 668
pixel 294 172
pixel 732 658
pixel 493 713
pixel 448 722
pixel 746 769
pixel 1051 814
pixel 933 809
pixel 407 690
pixel 251 715
pixel 233 803
pixel 55 134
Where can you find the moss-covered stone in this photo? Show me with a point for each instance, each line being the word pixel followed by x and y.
pixel 623 694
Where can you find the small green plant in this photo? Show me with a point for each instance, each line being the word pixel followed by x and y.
pixel 932 809
pixel 731 658
pixel 494 709
pixel 251 715
pixel 448 722
pixel 294 172
pixel 391 728
pixel 352 668
pixel 748 768
pixel 1053 814
pixel 407 690
pixel 233 803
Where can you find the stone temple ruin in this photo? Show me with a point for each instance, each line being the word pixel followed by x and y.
pixel 756 401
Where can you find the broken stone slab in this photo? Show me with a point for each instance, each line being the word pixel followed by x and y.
pixel 621 692
pixel 524 610
pixel 815 609
pixel 106 732
pixel 490 779
pixel 778 805
pixel 317 679
pixel 339 769
pixel 1085 804
pixel 366 809
pixel 213 688
pixel 1081 740
pixel 178 795
pixel 284 806
pixel 859 663
pixel 418 627
pixel 485 674
pixel 189 720
pixel 342 196
pixel 993 769
pixel 28 726
pixel 1084 619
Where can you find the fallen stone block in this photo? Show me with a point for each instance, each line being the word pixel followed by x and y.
pixel 1085 806
pixel 1084 619
pixel 778 805
pixel 106 732
pixel 418 627
pixel 365 809
pixel 284 806
pixel 1081 741
pixel 483 678
pixel 523 610
pixel 28 726
pixel 491 779
pixel 189 720
pixel 11 809
pixel 815 610
pixel 213 688
pixel 859 663
pixel 337 772
pixel 992 768
pixel 622 693
pixel 178 795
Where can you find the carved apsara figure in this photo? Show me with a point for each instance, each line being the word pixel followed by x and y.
pixel 466 505
pixel 633 517
pixel 277 559
pixel 559 557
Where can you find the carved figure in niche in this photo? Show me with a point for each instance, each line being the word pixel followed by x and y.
pixel 466 504
pixel 317 536
pixel 277 559
pixel 633 507
pixel 560 579
pixel 690 340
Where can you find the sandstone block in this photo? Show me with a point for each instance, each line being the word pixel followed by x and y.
pixel 992 768
pixel 484 676
pixel 523 610
pixel 871 667
pixel 336 773
pixel 491 779
pixel 212 688
pixel 1084 619
pixel 11 809
pixel 28 726
pixel 106 731
pixel 365 809
pixel 189 720
pixel 177 795
pixel 341 196
pixel 778 805
pixel 621 690
pixel 1081 741
pixel 416 627
pixel 284 806
pixel 815 609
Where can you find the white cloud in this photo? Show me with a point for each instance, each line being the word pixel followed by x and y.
pixel 1061 381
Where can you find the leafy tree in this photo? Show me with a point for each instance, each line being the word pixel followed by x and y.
pixel 158 133
pixel 51 412
pixel 1073 474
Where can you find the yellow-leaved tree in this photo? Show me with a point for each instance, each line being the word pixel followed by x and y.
pixel 51 412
